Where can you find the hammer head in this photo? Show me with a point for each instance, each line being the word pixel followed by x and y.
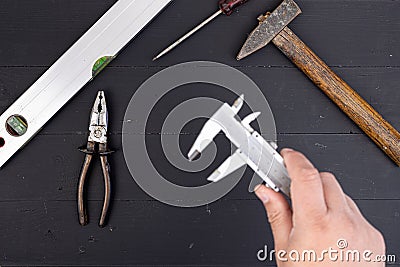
pixel 270 26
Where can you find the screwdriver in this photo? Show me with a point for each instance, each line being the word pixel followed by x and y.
pixel 225 7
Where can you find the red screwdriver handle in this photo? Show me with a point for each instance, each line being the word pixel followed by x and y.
pixel 228 6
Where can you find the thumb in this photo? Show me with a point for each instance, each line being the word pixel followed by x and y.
pixel 279 214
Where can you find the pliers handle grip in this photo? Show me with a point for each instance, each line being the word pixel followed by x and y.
pixel 103 152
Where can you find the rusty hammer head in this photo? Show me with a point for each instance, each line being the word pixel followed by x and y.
pixel 270 26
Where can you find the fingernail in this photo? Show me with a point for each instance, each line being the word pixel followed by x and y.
pixel 257 187
pixel 286 150
pixel 262 194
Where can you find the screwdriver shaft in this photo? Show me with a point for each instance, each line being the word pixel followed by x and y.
pixel 186 36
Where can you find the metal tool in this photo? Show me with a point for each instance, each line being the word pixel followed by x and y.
pixel 273 27
pixel 252 148
pixel 225 7
pixel 79 65
pixel 96 145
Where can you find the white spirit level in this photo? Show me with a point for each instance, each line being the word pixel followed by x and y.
pixel 79 65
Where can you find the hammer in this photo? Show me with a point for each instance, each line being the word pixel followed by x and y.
pixel 273 27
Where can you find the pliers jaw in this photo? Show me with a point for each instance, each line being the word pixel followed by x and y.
pixel 99 120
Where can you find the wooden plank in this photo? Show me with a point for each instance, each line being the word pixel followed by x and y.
pixel 148 233
pixel 36 34
pixel 297 104
pixel 363 170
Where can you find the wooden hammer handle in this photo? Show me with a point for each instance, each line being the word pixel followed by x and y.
pixel 368 119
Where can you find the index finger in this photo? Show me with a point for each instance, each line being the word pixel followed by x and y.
pixel 306 190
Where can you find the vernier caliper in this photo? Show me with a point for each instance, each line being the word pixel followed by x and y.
pixel 252 148
pixel 79 65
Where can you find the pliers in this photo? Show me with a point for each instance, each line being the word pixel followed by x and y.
pixel 96 145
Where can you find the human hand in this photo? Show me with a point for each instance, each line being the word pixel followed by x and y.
pixel 321 217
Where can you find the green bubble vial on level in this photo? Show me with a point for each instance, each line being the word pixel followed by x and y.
pixel 17 125
pixel 100 65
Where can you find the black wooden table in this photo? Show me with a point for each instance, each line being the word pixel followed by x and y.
pixel 359 39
